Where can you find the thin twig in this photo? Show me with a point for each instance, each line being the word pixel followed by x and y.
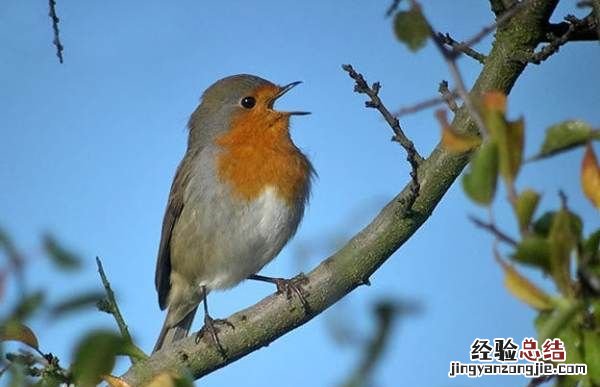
pixel 500 20
pixel 109 305
pixel 555 42
pixel 412 156
pixel 462 47
pixel 460 84
pixel 491 227
pixel 449 97
pixel 450 56
pixel 55 21
pixel 392 8
pixel 552 47
pixel 428 103
pixel 587 29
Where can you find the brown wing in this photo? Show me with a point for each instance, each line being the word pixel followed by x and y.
pixel 162 278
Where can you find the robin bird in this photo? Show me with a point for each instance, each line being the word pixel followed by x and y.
pixel 237 198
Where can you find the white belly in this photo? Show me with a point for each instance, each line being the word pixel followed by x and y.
pixel 219 241
pixel 257 236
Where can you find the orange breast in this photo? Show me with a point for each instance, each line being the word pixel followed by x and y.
pixel 258 152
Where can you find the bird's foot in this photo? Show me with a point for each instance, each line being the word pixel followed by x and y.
pixel 210 328
pixel 289 287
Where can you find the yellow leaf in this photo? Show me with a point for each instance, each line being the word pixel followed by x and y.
pixel 495 101
pixel 523 289
pixel 525 207
pixel 590 176
pixel 507 134
pixel 454 141
pixel 114 381
pixel 15 331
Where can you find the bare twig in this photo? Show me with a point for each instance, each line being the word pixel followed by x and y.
pixel 491 227
pixel 450 60
pixel 450 56
pixel 392 8
pixel 462 47
pixel 428 103
pixel 500 20
pixel 109 305
pixel 449 97
pixel 55 21
pixel 587 29
pixel 555 43
pixel 412 156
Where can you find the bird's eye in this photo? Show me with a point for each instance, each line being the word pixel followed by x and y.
pixel 248 102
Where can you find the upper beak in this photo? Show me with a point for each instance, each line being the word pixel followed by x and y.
pixel 282 91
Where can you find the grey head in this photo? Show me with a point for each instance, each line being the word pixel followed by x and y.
pixel 219 104
pixel 231 96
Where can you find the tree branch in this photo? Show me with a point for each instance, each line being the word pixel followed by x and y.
pixel 462 47
pixel 412 156
pixel 447 97
pixel 344 271
pixel 55 21
pixel 573 24
pixel 491 227
pixel 588 29
pixel 110 306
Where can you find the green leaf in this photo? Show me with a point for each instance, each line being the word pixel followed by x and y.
pixel 48 381
pixel 564 136
pixel 89 299
pixel 60 256
pixel 480 180
pixel 17 376
pixel 550 324
pixel 526 204
pixel 95 356
pixel 562 240
pixel 15 331
pixel 572 336
pixel 534 251
pixel 184 382
pixel 591 353
pixel 543 224
pixel 9 247
pixel 411 28
pixel 28 306
pixel 591 246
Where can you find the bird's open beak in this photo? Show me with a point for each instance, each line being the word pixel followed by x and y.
pixel 282 91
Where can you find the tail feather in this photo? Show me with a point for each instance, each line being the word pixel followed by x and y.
pixel 170 334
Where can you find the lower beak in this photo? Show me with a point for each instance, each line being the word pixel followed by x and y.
pixel 282 91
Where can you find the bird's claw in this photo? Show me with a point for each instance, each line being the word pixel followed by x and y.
pixel 210 327
pixel 294 286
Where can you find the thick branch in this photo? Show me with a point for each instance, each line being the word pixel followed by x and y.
pixel 274 316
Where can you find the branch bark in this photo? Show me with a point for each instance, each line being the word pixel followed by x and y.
pixel 351 266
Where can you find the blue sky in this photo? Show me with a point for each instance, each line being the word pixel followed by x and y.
pixel 88 150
